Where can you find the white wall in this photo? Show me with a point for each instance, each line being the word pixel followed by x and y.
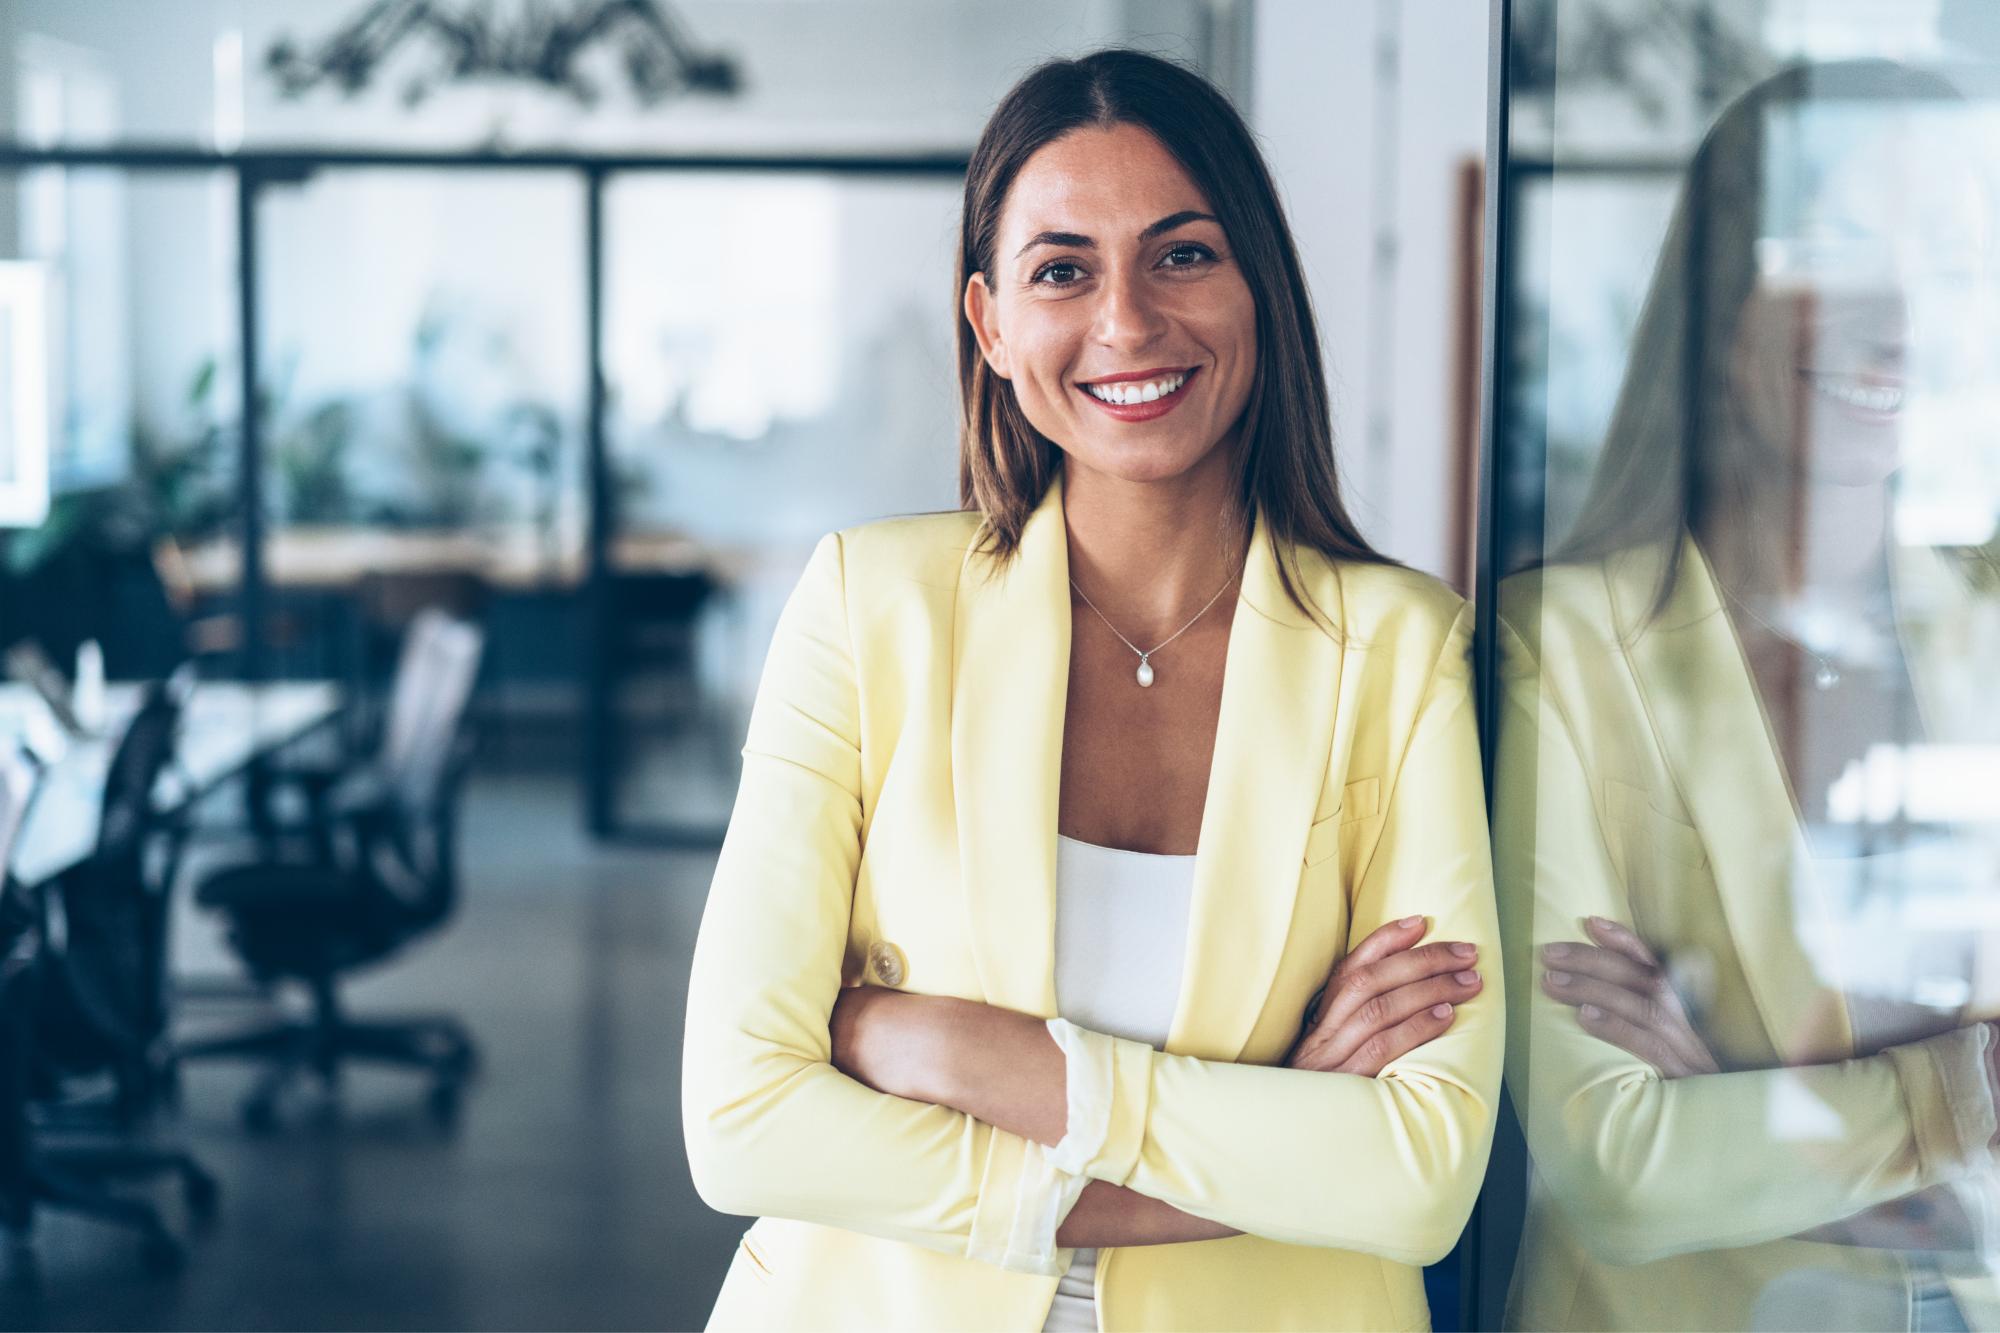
pixel 1367 111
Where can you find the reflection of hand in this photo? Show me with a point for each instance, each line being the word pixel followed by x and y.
pixel 1383 1001
pixel 1621 995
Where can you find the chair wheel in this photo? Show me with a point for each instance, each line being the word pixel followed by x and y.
pixel 201 1195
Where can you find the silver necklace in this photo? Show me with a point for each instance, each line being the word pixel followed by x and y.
pixel 1145 672
pixel 1825 674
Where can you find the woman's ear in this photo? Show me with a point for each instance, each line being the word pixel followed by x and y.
pixel 982 314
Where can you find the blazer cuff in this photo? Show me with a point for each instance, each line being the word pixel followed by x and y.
pixel 1950 1098
pixel 1022 1202
pixel 1109 1083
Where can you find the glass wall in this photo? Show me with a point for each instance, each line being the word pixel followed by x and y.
pixel 778 358
pixel 1746 763
pixel 421 337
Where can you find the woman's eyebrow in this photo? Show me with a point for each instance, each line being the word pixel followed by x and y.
pixel 1077 240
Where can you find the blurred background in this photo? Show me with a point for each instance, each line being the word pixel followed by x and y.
pixel 419 410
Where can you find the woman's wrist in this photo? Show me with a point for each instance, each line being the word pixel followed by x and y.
pixel 1107 1214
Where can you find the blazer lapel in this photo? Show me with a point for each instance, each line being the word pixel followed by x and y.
pixel 1010 687
pixel 1723 758
pixel 1272 741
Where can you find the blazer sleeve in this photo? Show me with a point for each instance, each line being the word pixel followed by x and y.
pixel 772 1128
pixel 1388 1165
pixel 1647 1167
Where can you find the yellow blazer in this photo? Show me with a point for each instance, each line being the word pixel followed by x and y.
pixel 896 824
pixel 1637 779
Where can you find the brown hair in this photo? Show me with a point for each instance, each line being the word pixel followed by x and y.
pixel 1286 465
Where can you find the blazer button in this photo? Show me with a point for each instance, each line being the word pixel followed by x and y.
pixel 886 961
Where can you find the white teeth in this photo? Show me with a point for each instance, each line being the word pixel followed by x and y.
pixel 1849 392
pixel 1128 392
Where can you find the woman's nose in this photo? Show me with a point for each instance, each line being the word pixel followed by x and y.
pixel 1127 314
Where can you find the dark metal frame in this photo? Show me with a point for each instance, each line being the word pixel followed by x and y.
pixel 255 170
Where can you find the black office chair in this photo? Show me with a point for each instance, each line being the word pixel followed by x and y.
pixel 378 872
pixel 86 997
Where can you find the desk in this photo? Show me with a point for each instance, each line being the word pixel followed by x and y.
pixel 225 726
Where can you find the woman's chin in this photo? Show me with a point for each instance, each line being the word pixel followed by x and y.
pixel 1139 463
pixel 1858 462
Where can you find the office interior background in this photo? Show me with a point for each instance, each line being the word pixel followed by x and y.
pixel 441 399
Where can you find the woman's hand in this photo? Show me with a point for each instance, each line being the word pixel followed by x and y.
pixel 1621 995
pixel 1385 999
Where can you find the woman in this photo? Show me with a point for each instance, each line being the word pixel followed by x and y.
pixel 1057 812
pixel 1753 1060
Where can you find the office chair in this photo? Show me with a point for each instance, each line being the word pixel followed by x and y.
pixel 85 997
pixel 377 872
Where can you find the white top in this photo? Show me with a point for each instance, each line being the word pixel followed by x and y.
pixel 1121 935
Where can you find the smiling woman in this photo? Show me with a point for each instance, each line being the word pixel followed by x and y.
pixel 1063 1041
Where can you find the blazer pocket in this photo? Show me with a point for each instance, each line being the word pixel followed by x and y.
pixel 1361 800
pixel 1358 801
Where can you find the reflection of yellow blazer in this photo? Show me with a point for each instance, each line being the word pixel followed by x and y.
pixel 896 824
pixel 1637 779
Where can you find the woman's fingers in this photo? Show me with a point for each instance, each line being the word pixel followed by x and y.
pixel 1353 987
pixel 1657 1048
pixel 1622 939
pixel 1619 969
pixel 1392 1008
pixel 1577 989
pixel 1392 1043
pixel 1385 940
pixel 1615 995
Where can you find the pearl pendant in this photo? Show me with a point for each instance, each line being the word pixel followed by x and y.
pixel 1826 677
pixel 1145 672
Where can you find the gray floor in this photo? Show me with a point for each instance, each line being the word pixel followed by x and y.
pixel 562 1202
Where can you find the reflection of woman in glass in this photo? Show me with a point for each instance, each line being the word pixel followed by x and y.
pixel 1749 1051
pixel 1057 812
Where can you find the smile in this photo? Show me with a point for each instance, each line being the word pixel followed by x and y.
pixel 1141 397
pixel 1855 394
pixel 1137 391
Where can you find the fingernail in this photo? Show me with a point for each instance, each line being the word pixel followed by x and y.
pixel 1409 921
pixel 1559 978
pixel 1465 978
pixel 1591 1011
pixel 1441 1011
pixel 1557 950
pixel 1465 950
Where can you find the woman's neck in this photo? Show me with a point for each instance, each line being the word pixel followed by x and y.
pixel 1149 554
pixel 1813 541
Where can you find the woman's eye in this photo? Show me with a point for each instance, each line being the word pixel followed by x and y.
pixel 1187 256
pixel 1057 273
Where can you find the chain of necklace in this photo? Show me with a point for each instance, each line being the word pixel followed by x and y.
pixel 1825 674
pixel 1145 672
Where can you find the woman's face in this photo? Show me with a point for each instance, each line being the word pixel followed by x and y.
pixel 1856 305
pixel 1115 307
pixel 1819 376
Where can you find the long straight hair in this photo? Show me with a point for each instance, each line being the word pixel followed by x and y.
pixel 1285 467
